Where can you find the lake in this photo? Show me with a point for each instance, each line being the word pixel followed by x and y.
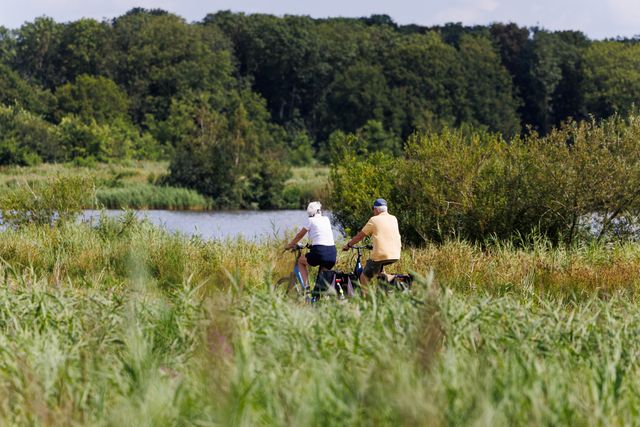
pixel 253 225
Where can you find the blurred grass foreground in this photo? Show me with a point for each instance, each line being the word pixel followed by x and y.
pixel 121 323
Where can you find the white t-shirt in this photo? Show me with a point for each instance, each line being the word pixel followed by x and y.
pixel 320 232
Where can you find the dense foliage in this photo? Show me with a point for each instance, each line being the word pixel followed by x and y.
pixel 580 180
pixel 258 93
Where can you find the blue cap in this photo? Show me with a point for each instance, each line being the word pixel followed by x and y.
pixel 379 202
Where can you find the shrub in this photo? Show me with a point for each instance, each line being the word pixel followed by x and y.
pixel 118 140
pixel 59 200
pixel 580 177
pixel 25 137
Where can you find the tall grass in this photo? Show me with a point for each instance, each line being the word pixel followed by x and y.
pixel 124 324
pixel 147 196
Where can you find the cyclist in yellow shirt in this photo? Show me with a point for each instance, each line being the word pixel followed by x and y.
pixel 385 236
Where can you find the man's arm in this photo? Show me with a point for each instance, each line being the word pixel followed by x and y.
pixel 354 240
pixel 297 238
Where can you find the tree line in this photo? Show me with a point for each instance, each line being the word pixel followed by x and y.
pixel 234 99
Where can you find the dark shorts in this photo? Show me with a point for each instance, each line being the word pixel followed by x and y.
pixel 324 256
pixel 372 267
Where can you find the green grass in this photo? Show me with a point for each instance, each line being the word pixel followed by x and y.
pixel 124 324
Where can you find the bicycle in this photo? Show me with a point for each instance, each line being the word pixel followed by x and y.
pixel 400 282
pixel 345 285
pixel 295 286
pixel 336 283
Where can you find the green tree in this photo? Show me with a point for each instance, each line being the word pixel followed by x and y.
pixel 377 139
pixel 38 52
pixel 427 81
pixel 516 53
pixel 16 91
pixel 7 45
pixel 568 98
pixel 285 58
pixel 92 98
pixel 233 158
pixel 357 95
pixel 300 147
pixel 160 56
pixel 612 81
pixel 119 139
pixel 27 138
pixel 489 94
pixel 86 47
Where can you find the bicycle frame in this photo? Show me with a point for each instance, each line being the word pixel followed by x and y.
pixel 294 279
pixel 358 268
pixel 296 270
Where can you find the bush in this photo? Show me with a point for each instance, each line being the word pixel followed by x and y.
pixel 25 137
pixel 12 153
pixel 580 177
pixel 117 140
pixel 56 201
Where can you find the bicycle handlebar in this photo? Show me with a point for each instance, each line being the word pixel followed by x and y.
pixel 362 247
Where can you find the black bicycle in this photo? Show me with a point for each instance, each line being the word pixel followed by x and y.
pixel 346 284
pixel 388 282
pixel 338 284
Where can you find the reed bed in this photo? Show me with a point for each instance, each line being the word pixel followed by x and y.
pixel 122 323
pixel 147 196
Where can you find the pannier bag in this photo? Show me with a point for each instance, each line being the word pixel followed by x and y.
pixel 334 283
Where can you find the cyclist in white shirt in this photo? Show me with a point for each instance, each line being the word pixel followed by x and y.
pixel 323 248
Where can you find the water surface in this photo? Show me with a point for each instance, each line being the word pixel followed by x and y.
pixel 252 225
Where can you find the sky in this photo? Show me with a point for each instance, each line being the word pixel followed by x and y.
pixel 596 18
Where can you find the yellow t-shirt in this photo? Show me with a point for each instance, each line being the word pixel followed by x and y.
pixel 383 229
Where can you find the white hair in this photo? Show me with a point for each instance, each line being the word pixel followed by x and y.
pixel 381 208
pixel 314 208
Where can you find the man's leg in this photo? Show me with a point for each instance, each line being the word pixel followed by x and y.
pixel 371 268
pixel 364 280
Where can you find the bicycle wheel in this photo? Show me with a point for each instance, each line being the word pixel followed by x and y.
pixel 289 286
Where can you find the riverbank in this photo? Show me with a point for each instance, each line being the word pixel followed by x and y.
pixel 138 185
pixel 122 322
